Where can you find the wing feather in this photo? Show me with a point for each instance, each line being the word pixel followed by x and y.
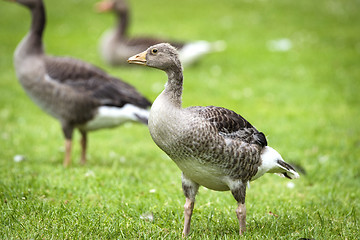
pixel 231 125
pixel 93 81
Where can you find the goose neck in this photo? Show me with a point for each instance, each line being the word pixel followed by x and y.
pixel 174 86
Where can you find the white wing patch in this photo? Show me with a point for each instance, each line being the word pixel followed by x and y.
pixel 108 117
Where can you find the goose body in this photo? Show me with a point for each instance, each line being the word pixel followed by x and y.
pixel 116 46
pixel 76 93
pixel 213 146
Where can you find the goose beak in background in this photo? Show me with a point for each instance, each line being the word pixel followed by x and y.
pixel 138 59
pixel 104 6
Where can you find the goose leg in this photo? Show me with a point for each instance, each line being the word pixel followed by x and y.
pixel 188 209
pixel 239 194
pixel 190 189
pixel 241 215
pixel 67 158
pixel 83 143
pixel 68 132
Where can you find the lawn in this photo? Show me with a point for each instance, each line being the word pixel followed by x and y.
pixel 292 68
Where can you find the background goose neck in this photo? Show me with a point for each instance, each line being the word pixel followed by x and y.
pixel 38 19
pixel 122 23
pixel 32 44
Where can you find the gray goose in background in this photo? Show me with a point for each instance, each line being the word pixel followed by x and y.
pixel 116 46
pixel 214 147
pixel 78 94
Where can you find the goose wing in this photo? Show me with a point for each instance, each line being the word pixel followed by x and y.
pixel 230 125
pixel 87 79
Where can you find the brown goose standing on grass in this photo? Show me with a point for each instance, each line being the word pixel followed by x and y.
pixel 116 46
pixel 214 147
pixel 78 94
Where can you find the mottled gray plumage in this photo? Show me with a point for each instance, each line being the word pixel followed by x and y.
pixel 213 146
pixel 216 137
pixel 70 90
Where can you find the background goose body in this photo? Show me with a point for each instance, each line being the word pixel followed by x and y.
pixel 213 146
pixel 77 93
pixel 116 46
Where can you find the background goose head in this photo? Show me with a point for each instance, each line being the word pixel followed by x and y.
pixel 118 6
pixel 162 56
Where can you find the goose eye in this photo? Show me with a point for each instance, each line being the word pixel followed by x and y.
pixel 154 50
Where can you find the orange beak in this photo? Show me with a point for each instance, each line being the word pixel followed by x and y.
pixel 138 59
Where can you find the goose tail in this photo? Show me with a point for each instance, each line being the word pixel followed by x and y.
pixel 289 171
pixel 192 51
pixel 108 116
pixel 272 162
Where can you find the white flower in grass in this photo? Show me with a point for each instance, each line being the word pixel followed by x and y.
pixel 89 173
pixel 148 216
pixel 290 185
pixel 19 158
pixel 323 159
pixel 280 45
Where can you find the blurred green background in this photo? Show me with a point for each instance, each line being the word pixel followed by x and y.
pixel 292 68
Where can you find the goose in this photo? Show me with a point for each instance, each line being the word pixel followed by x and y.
pixel 213 146
pixel 78 94
pixel 116 46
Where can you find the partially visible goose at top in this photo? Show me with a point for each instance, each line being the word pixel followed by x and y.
pixel 214 147
pixel 116 46
pixel 78 94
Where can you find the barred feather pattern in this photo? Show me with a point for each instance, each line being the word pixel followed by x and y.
pixel 212 138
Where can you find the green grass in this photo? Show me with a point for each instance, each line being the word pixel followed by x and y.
pixel 306 100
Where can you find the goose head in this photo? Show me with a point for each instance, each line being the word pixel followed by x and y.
pixel 119 6
pixel 162 56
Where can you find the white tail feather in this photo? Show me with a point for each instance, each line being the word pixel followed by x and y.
pixel 289 170
pixel 191 52
pixel 108 117
pixel 272 162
